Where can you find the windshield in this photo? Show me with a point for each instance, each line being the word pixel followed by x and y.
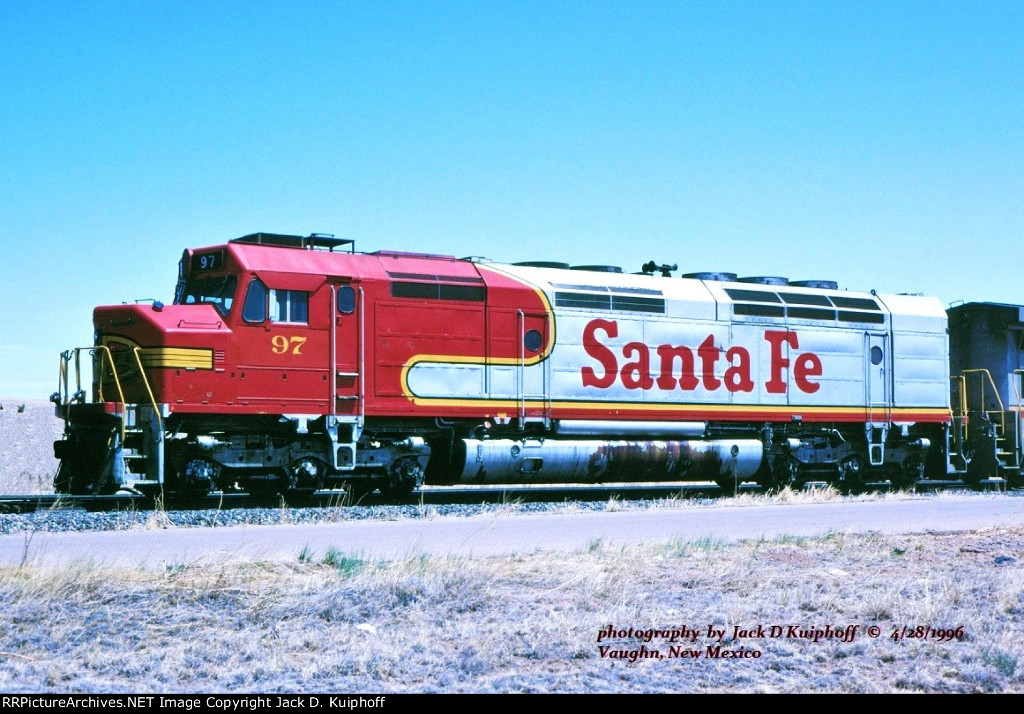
pixel 218 292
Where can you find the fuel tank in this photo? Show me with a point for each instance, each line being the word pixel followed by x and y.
pixel 495 461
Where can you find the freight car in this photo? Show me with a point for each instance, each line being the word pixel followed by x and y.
pixel 294 363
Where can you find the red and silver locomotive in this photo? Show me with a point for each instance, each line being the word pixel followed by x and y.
pixel 294 363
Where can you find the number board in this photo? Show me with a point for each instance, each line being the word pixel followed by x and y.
pixel 202 262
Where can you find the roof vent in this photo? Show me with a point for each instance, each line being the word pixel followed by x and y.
pixel 765 280
pixel 819 284
pixel 543 264
pixel 717 277
pixel 599 268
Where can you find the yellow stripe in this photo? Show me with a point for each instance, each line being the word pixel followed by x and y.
pixel 177 358
pixel 165 357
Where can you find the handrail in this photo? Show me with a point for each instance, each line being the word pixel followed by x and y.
pixel 1016 392
pixel 1017 438
pixel 65 357
pixel 332 402
pixel 547 377
pixel 362 360
pixel 62 378
pixel 995 391
pixel 521 370
pixel 868 404
pixel 149 390
pixel 105 355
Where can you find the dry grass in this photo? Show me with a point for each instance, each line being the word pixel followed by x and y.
pixel 336 622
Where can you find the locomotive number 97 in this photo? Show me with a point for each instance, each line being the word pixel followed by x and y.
pixel 290 363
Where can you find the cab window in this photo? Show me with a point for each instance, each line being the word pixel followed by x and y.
pixel 254 309
pixel 346 300
pixel 283 306
pixel 289 306
pixel 218 292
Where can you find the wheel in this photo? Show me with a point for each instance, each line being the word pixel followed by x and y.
pixel 306 476
pixel 195 480
pixel 911 470
pixel 851 475
pixel 404 477
pixel 782 474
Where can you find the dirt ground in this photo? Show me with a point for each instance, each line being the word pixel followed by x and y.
pixel 28 429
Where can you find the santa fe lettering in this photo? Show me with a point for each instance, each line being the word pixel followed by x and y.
pixel 686 368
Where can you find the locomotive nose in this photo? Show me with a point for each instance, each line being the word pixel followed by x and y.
pixel 143 348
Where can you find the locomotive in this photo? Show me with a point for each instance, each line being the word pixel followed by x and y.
pixel 294 363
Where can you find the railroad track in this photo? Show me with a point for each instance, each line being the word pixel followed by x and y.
pixel 428 495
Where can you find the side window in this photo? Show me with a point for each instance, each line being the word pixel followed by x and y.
pixel 346 300
pixel 255 307
pixel 291 306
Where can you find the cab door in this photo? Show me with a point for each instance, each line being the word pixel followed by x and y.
pixel 348 346
pixel 878 398
pixel 877 394
pixel 534 370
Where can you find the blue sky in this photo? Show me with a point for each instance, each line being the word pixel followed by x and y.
pixel 878 144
